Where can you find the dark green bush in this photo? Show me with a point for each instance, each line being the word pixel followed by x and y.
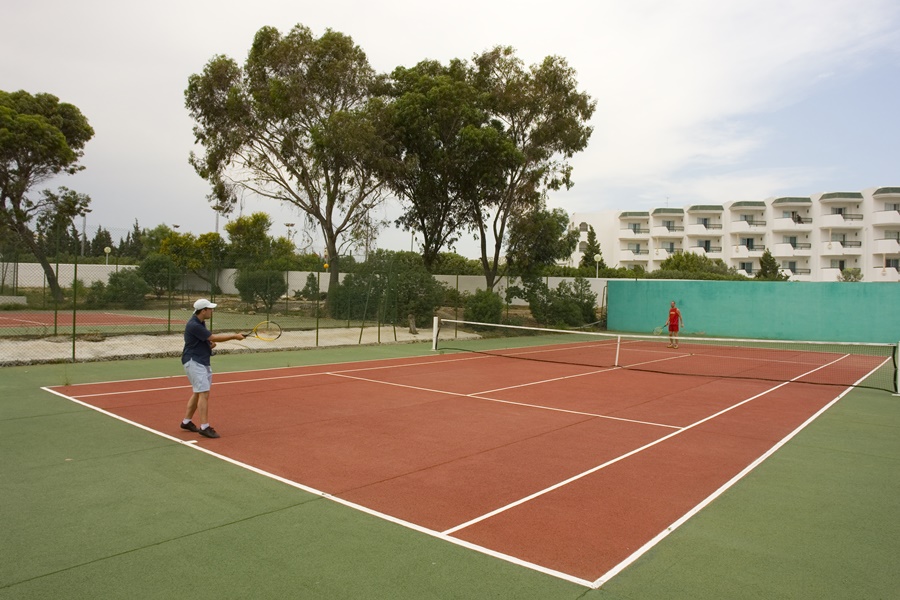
pixel 95 296
pixel 484 306
pixel 261 287
pixel 127 288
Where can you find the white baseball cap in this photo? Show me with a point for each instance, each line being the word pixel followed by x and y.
pixel 203 303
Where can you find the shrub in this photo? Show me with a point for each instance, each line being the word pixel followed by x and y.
pixel 159 271
pixel 388 287
pixel 264 287
pixel 311 290
pixel 570 304
pixel 484 306
pixel 127 288
pixel 96 296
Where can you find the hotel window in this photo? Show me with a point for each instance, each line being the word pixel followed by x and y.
pixel 747 267
pixel 892 263
pixel 837 264
pixel 583 227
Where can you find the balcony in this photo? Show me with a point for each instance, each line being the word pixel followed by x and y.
pixel 634 255
pixel 798 274
pixel 782 250
pixel 845 248
pixel 786 249
pixel 667 232
pixel 703 250
pixel 887 246
pixel 741 251
pixel 789 224
pixel 829 274
pixel 831 249
pixel 836 221
pixel 664 253
pixel 710 229
pixel 631 233
pixel 883 274
pixel 886 217
pixel 746 225
pixel 852 247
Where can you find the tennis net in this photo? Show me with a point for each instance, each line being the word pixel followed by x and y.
pixel 860 364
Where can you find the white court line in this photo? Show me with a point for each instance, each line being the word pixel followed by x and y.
pixel 665 532
pixel 257 379
pixel 24 322
pixel 574 478
pixel 476 396
pixel 436 534
pixel 447 534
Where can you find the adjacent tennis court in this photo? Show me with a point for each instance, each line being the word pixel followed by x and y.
pixel 64 318
pixel 533 452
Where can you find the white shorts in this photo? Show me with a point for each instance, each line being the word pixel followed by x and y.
pixel 199 375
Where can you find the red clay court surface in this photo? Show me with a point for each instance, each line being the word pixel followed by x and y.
pixel 64 319
pixel 570 470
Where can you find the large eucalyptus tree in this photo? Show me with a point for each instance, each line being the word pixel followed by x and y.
pixel 295 124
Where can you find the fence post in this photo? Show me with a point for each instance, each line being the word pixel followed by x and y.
pixel 74 306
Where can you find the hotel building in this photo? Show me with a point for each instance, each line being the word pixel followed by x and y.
pixel 812 238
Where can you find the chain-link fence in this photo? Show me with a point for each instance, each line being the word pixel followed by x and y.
pixel 101 309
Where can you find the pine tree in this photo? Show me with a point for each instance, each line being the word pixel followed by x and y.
pixel 768 268
pixel 592 249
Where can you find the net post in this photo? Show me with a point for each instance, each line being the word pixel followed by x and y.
pixel 435 330
pixel 618 345
pixel 896 371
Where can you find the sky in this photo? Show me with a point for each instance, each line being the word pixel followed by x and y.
pixel 698 101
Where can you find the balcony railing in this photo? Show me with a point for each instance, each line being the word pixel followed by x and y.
pixel 709 249
pixel 801 246
pixel 851 243
pixel 851 217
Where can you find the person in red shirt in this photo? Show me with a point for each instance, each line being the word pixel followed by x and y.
pixel 674 322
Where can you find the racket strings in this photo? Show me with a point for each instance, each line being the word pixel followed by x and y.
pixel 268 331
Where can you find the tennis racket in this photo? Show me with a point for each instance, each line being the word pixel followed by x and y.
pixel 267 331
pixel 658 330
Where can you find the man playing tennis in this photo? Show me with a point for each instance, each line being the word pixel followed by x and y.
pixel 198 345
pixel 674 321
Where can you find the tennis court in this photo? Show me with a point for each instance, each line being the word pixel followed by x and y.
pixel 537 454
pixel 64 319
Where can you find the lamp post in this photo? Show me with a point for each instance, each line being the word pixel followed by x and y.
pixel 597 259
pixel 106 251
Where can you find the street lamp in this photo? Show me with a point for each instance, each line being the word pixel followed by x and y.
pixel 107 250
pixel 597 259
